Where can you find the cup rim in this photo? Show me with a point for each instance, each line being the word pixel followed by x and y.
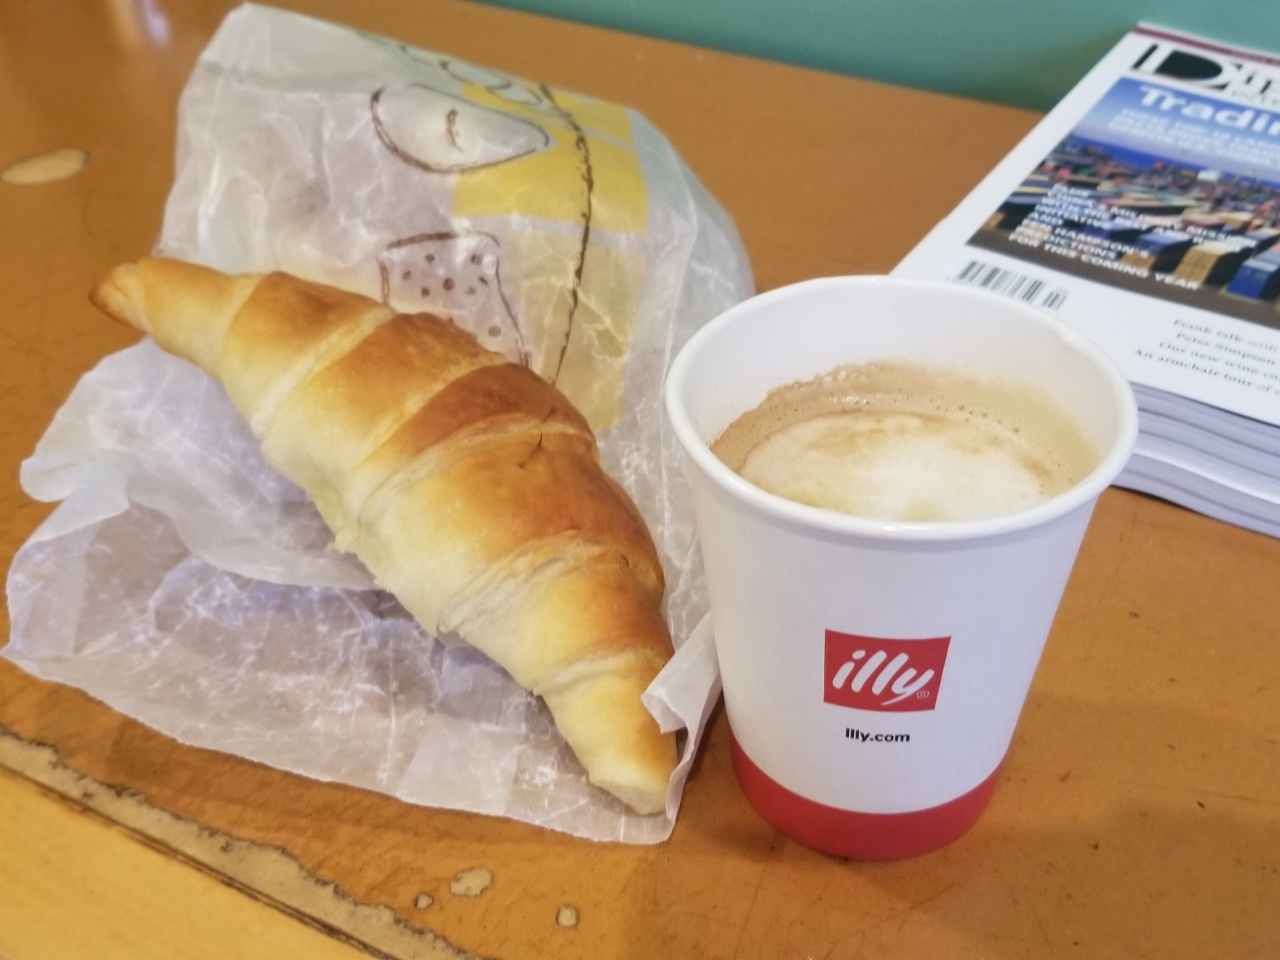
pixel 832 522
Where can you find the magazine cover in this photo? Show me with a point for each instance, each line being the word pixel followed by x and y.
pixel 1145 210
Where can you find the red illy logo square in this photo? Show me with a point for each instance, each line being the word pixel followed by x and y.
pixel 874 673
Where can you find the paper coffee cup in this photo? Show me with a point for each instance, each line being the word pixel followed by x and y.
pixel 873 670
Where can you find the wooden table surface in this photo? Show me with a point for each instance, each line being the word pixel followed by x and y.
pixel 1138 814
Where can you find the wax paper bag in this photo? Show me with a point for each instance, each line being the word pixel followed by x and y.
pixel 184 583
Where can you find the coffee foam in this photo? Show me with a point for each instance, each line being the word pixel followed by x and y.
pixel 901 441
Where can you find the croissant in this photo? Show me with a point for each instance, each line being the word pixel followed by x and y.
pixel 470 488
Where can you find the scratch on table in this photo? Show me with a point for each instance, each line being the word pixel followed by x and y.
pixel 472 882
pixel 48 167
pixel 1040 923
pixel 1132 512
pixel 1196 793
pixel 906 915
pixel 37 351
pixel 252 868
pixel 778 839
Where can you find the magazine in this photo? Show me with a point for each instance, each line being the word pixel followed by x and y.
pixel 1144 210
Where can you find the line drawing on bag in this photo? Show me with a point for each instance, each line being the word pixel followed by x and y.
pixel 457 274
pixel 389 103
pixel 582 148
pixel 397 111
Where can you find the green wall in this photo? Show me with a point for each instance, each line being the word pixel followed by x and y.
pixel 1021 52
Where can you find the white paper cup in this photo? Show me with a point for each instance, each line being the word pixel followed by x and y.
pixel 820 618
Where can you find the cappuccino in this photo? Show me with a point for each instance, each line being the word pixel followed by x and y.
pixel 901 441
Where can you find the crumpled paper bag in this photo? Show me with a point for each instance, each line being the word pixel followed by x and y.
pixel 185 584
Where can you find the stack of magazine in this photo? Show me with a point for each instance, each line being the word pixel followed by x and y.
pixel 1144 210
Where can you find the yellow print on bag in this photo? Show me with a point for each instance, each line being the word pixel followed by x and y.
pixel 542 258
pixel 577 209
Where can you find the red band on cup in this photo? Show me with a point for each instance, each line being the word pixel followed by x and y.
pixel 860 836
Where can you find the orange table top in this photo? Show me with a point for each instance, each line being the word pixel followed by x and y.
pixel 1138 813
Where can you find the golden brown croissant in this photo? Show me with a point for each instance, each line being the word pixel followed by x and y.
pixel 469 487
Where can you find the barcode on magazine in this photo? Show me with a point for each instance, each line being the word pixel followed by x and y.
pixel 1017 285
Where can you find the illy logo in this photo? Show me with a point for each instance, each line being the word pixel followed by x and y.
pixel 874 673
